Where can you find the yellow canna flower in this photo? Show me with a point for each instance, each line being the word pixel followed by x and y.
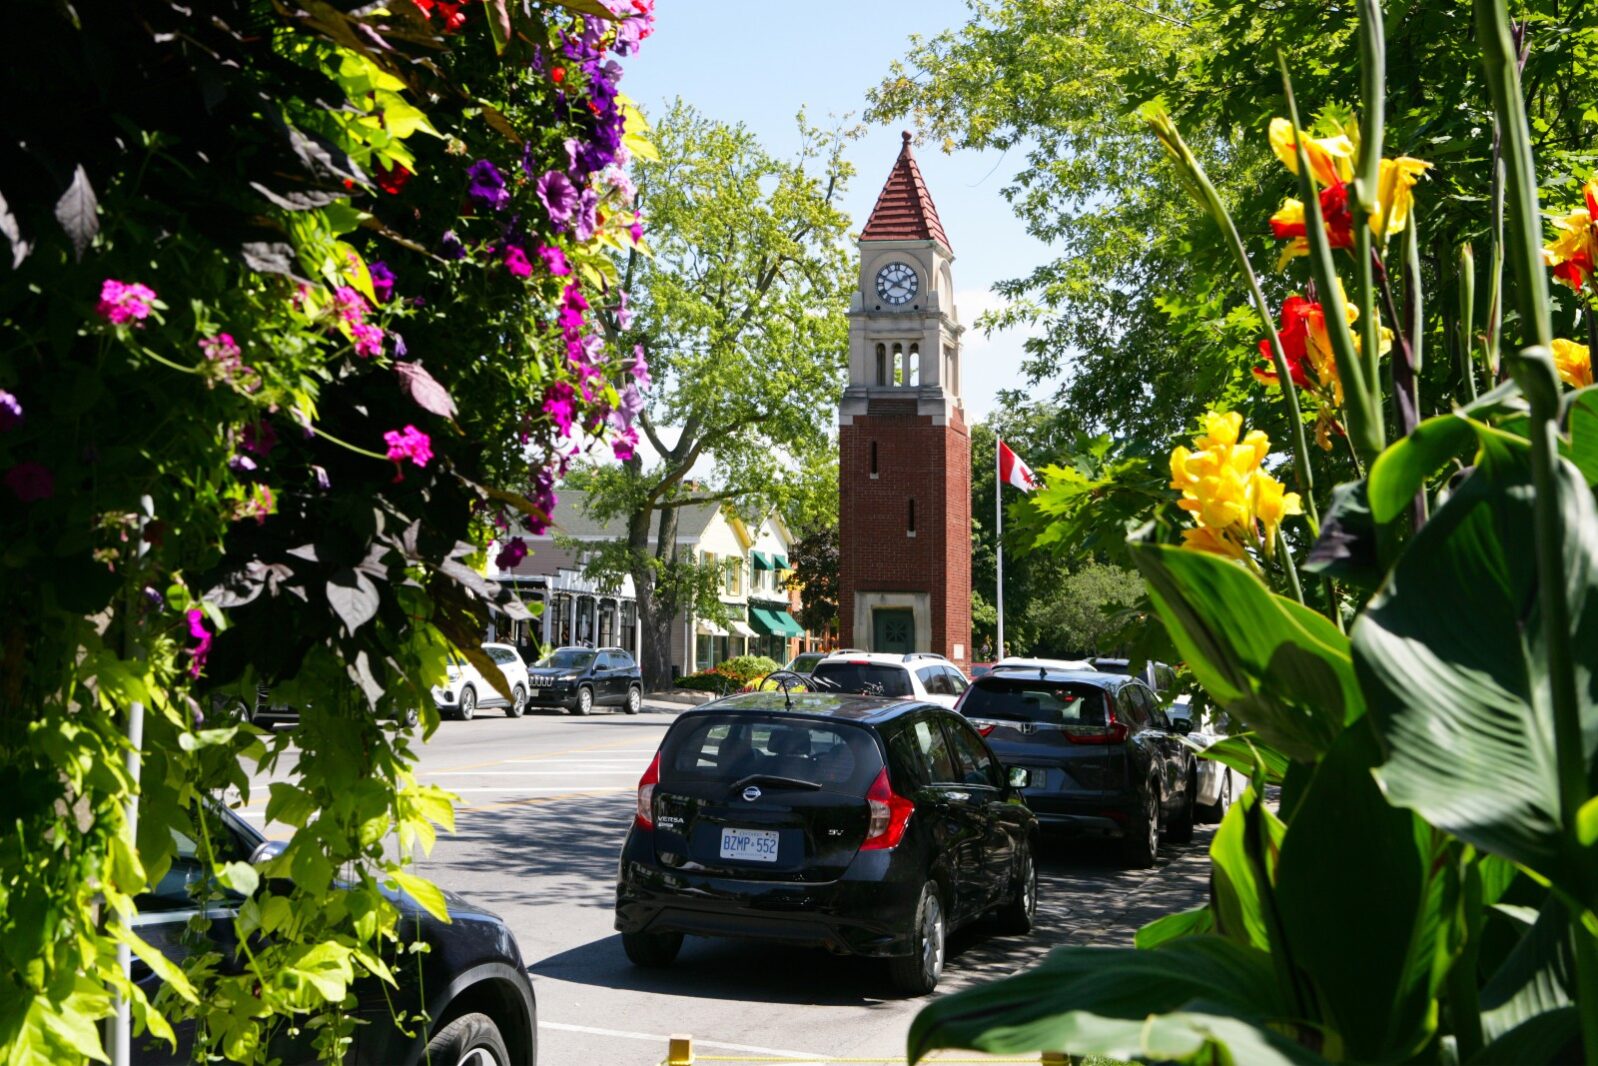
pixel 1272 504
pixel 1234 502
pixel 1220 429
pixel 1395 194
pixel 1331 159
pixel 1574 363
pixel 1575 251
pixel 1199 538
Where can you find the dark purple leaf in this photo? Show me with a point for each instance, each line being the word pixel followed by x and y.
pixel 353 598
pixel 269 257
pixel 300 199
pixel 425 390
pixel 79 212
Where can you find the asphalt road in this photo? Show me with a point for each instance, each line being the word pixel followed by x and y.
pixel 545 802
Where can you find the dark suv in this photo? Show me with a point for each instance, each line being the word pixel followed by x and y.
pixel 471 981
pixel 864 825
pixel 580 679
pixel 1100 756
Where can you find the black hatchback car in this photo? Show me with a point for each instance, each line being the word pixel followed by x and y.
pixel 472 982
pixel 1100 755
pixel 863 825
pixel 580 679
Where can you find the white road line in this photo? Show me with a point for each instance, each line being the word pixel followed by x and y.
pixel 558 790
pixel 802 1056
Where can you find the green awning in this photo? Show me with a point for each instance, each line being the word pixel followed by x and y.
pixel 793 627
pixel 779 562
pixel 759 561
pixel 765 622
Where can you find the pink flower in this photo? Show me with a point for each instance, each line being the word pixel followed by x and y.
pixel 10 411
pixel 555 260
pixel 30 482
pixel 122 302
pixel 636 229
pixel 409 443
pixel 640 367
pixel 368 338
pixel 624 445
pixel 202 649
pixel 352 305
pixel 558 405
pixel 222 349
pixel 516 261
pixel 514 551
pixel 258 437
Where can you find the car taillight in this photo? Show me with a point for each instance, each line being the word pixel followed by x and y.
pixel 985 727
pixel 890 815
pixel 644 818
pixel 1112 733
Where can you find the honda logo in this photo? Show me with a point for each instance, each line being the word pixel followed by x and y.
pixel 751 793
pixel 1028 728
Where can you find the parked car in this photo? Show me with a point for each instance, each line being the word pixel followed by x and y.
pixel 919 675
pixel 472 981
pixel 981 670
pixel 1218 784
pixel 268 712
pixel 1021 662
pixel 580 679
pixel 805 662
pixel 1100 756
pixel 864 825
pixel 1157 676
pixel 465 689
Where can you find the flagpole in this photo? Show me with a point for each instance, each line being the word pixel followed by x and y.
pixel 998 541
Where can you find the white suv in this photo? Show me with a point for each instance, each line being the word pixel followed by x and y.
pixel 465 688
pixel 917 676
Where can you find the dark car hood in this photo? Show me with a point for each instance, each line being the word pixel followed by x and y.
pixel 551 671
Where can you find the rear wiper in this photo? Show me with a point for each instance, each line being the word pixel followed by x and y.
pixel 774 779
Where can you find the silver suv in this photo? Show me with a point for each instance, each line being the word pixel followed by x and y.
pixel 920 675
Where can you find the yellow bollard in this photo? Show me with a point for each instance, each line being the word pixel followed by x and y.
pixel 680 1050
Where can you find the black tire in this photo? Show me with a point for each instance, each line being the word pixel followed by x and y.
pixel 1141 847
pixel 518 702
pixel 635 700
pixel 1213 813
pixel 470 1040
pixel 409 717
pixel 1180 828
pixel 466 706
pixel 1019 915
pixel 585 701
pixel 651 950
pixel 917 973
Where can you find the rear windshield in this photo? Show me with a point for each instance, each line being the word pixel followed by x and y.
pixel 802 663
pixel 730 748
pixel 567 659
pixel 868 679
pixel 1034 700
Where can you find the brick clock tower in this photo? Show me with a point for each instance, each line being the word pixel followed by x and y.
pixel 904 476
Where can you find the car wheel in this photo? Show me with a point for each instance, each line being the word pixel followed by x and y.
pixel 585 700
pixel 467 707
pixel 917 973
pixel 635 700
pixel 1017 916
pixel 1180 831
pixel 518 702
pixel 652 950
pixel 470 1040
pixel 409 717
pixel 1213 813
pixel 1142 844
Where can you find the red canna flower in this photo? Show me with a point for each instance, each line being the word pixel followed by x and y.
pixel 557 75
pixel 393 179
pixel 1297 313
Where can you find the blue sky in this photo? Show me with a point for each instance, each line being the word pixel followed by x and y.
pixel 823 56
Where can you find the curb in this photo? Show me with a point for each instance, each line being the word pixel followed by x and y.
pixel 683 696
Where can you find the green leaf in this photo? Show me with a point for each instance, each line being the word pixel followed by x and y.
pixel 1405 467
pixel 1538 976
pixel 1237 883
pixel 1346 549
pixel 1453 658
pixel 207 738
pixel 1244 753
pixel 1581 409
pixel 1058 1004
pixel 1546 1038
pixel 1587 823
pixel 1374 988
pixel 498 14
pixel 1182 923
pixel 1274 664
pixel 424 892
pixel 169 972
pixel 241 877
pixel 289 804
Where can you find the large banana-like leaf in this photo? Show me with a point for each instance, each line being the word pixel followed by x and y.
pixel 1095 999
pixel 1452 655
pixel 1581 409
pixel 1373 957
pixel 1405 467
pixel 1537 977
pixel 1274 664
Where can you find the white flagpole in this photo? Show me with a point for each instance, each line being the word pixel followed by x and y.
pixel 998 542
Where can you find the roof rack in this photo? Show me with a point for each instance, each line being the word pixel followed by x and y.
pixel 909 656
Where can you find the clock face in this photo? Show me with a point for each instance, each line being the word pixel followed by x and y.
pixel 896 284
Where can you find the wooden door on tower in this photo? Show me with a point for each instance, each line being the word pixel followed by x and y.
pixel 893 630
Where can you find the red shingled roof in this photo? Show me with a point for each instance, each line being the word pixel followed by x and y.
pixel 904 210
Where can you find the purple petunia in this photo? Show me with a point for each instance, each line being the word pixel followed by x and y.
pixel 202 635
pixel 516 261
pixel 451 245
pixel 559 197
pixel 487 185
pixel 555 260
pixel 382 281
pixel 514 551
pixel 558 405
pixel 10 411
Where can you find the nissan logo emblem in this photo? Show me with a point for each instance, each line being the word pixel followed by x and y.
pixel 751 793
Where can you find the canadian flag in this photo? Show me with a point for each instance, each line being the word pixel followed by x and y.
pixel 1012 471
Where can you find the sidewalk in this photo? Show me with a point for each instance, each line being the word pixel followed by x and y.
pixel 675 701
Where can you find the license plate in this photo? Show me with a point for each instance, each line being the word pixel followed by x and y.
pixel 751 845
pixel 534 693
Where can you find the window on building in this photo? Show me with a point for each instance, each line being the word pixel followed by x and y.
pixel 898 364
pixel 882 364
pixel 873 458
pixel 911 528
pixel 735 576
pixel 913 372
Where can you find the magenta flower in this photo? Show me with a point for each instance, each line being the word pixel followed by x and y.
pixel 382 281
pixel 558 405
pixel 637 227
pixel 586 221
pixel 514 551
pixel 624 445
pixel 122 302
pixel 368 338
pixel 559 197
pixel 516 261
pixel 258 437
pixel 487 185
pixel 409 443
pixel 221 349
pixel 624 314
pixel 202 648
pixel 640 367
pixel 10 411
pixel 30 482
pixel 555 260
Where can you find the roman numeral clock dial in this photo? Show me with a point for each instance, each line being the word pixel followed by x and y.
pixel 896 284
